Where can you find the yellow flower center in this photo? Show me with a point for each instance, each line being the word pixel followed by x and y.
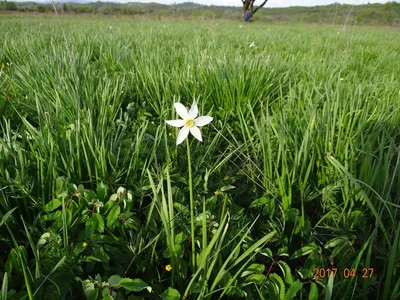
pixel 168 268
pixel 189 123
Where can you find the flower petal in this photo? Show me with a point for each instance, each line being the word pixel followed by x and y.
pixel 182 135
pixel 176 123
pixel 194 110
pixel 201 121
pixel 195 131
pixel 182 111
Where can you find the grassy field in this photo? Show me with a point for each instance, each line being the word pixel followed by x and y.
pixel 293 193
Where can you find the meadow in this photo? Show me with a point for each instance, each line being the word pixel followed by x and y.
pixel 294 192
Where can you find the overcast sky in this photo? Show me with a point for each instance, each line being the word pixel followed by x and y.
pixel 270 3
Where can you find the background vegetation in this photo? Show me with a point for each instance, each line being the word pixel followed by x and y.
pixel 373 14
pixel 298 171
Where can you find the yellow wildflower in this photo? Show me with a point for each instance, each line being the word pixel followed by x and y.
pixel 217 193
pixel 84 244
pixel 168 268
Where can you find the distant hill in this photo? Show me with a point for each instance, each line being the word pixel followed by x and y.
pixel 371 14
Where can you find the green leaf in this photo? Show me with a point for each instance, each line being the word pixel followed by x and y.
pixel 113 216
pixel 6 216
pixel 135 285
pixel 4 287
pixel 266 252
pixel 259 202
pixel 89 259
pixel 108 297
pixel 254 268
pixel 291 214
pixel 313 292
pixel 286 272
pixel 336 241
pixel 180 237
pixel 100 223
pixel 227 188
pixel 170 294
pixel 101 191
pixel 329 288
pixel 90 291
pixel 304 251
pixel 256 278
pixel 114 280
pixel 101 254
pixel 60 181
pixel 52 205
pixel 275 278
pixel 181 208
pixel 195 288
pixel 90 226
pixel 293 290
pixel 113 197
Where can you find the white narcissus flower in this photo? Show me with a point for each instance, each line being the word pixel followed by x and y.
pixel 189 123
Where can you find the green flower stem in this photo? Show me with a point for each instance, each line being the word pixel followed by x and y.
pixel 191 207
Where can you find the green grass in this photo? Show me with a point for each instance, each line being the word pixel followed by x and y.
pixel 304 152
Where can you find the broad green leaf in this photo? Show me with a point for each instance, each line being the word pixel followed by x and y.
pixel 113 215
pixel 313 292
pixel 60 181
pixel 266 252
pixel 275 278
pixel 259 202
pixel 100 223
pixel 287 276
pixel 135 285
pixel 254 268
pixel 195 288
pixel 52 205
pixel 170 294
pixel 295 287
pixel 90 291
pixel 329 288
pixel 108 297
pixel 180 237
pixel 101 191
pixel 90 226
pixel 114 280
pixel 227 188
pixel 256 278
pixel 113 197
pixel 336 241
pixel 105 291
pixel 181 208
pixel 304 251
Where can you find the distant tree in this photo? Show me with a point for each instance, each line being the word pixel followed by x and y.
pixel 8 6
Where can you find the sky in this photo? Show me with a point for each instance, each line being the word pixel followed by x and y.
pixel 270 3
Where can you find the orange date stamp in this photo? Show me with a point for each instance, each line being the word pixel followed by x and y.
pixel 346 272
